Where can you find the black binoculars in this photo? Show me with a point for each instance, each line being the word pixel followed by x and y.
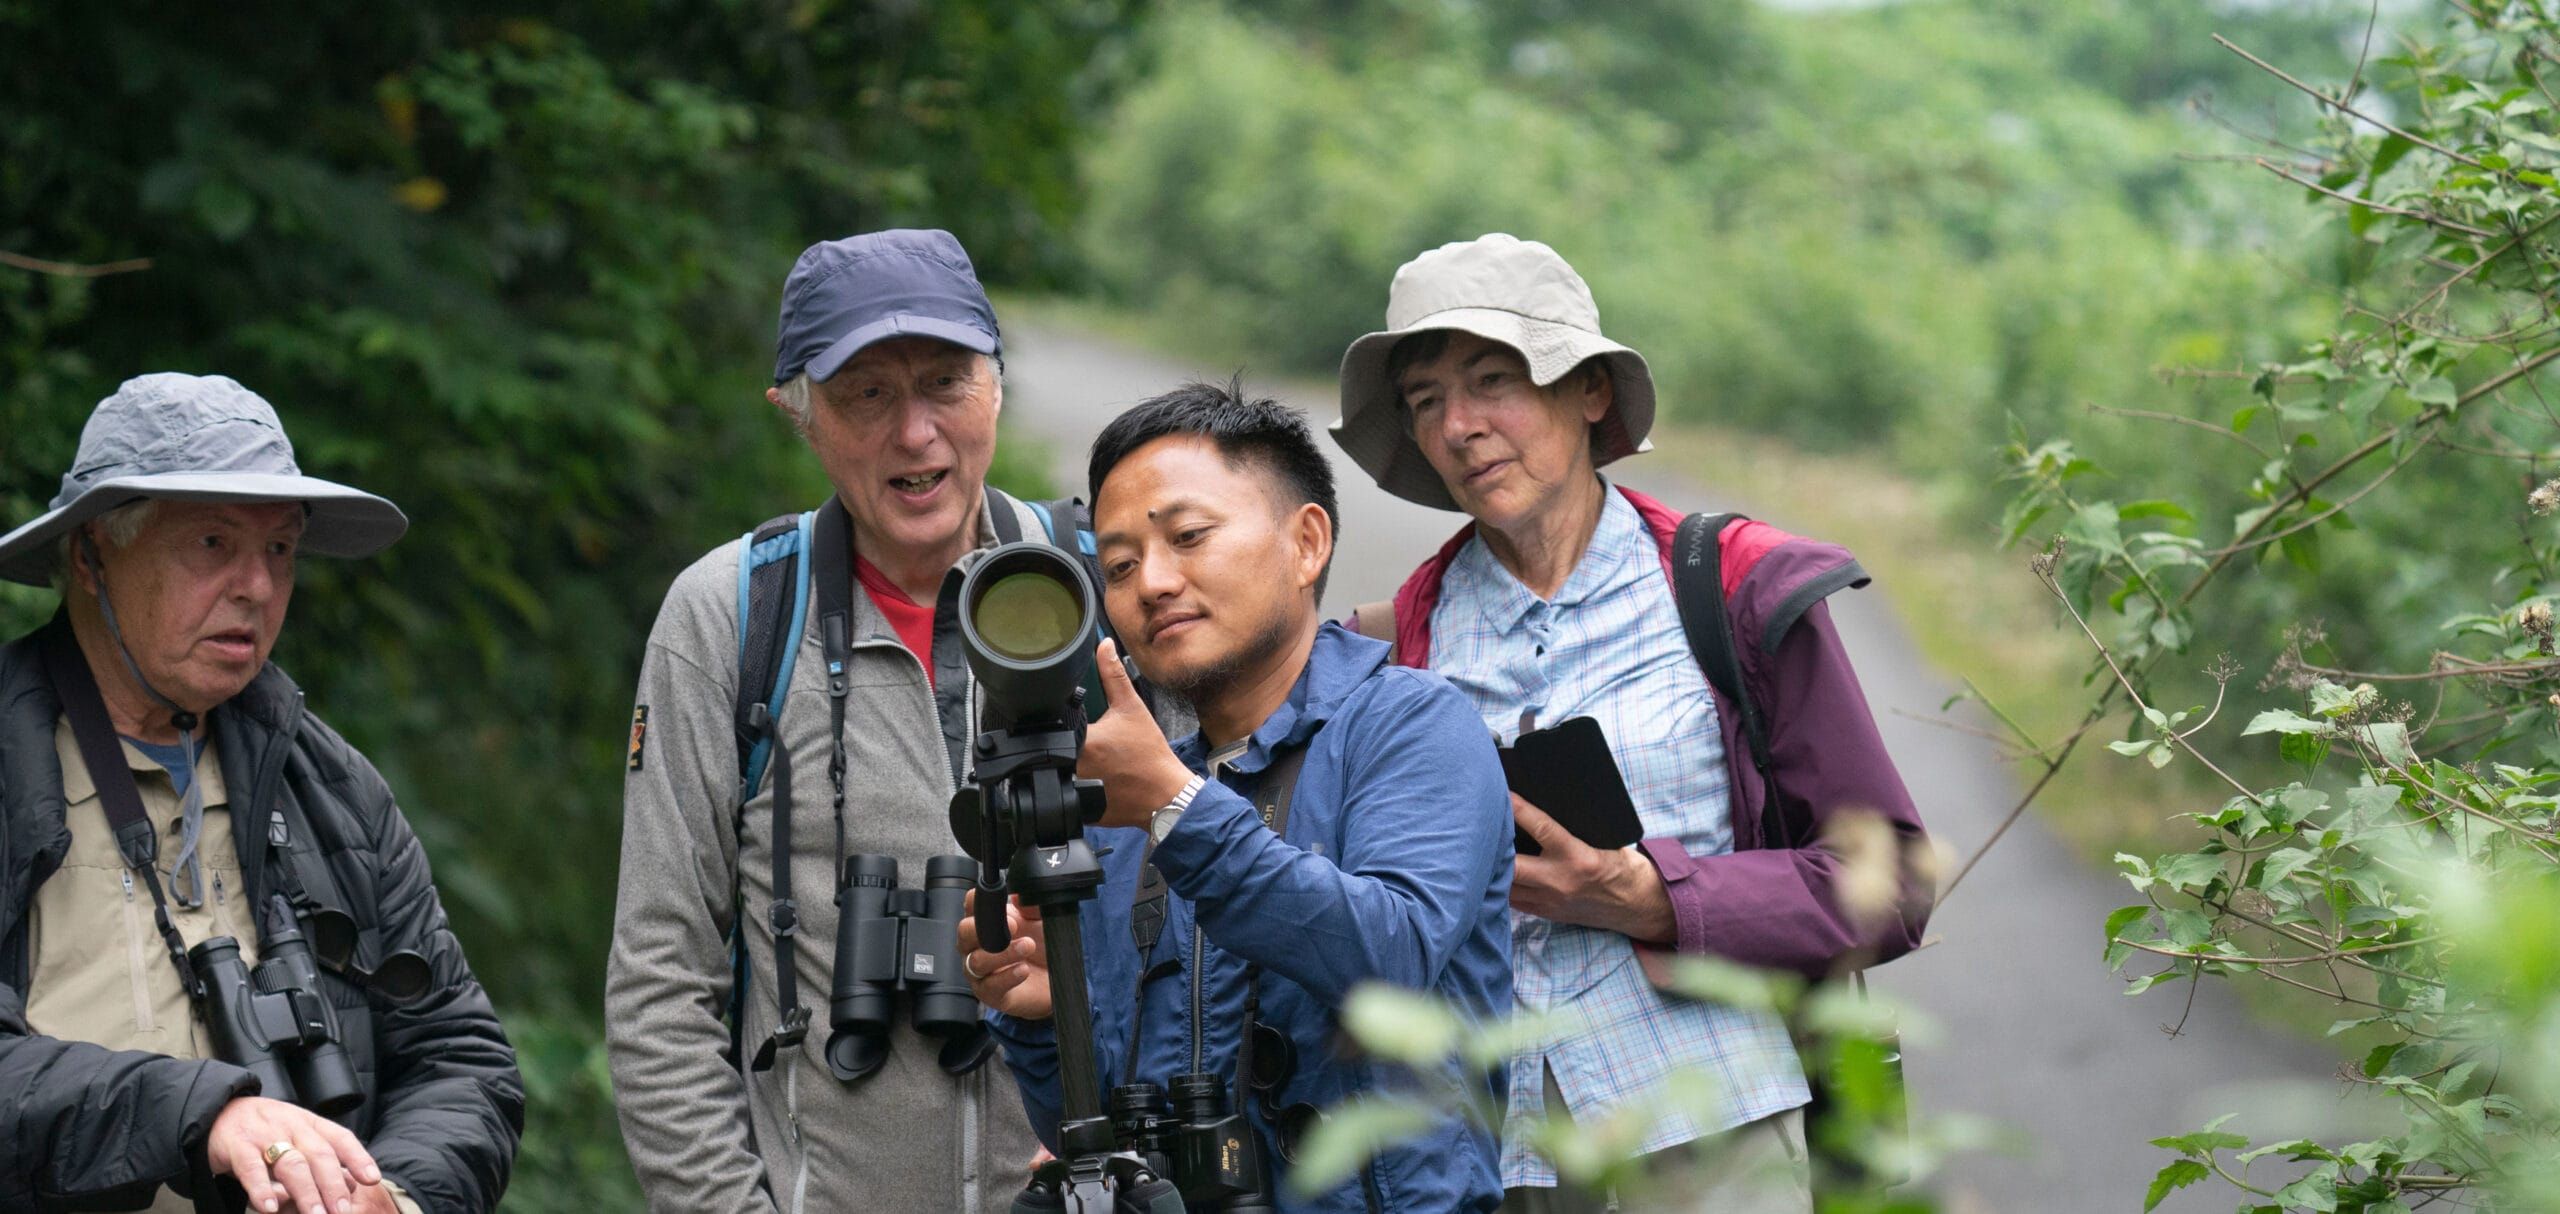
pixel 1195 1139
pixel 890 940
pixel 274 1020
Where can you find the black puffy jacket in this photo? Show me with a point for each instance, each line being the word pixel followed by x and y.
pixel 87 1128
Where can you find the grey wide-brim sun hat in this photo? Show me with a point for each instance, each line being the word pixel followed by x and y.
pixel 200 438
pixel 1499 287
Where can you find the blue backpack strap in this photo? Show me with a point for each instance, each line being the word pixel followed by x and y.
pixel 1071 509
pixel 773 611
pixel 773 606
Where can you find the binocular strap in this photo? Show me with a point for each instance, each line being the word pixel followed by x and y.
pixel 136 839
pixel 1147 913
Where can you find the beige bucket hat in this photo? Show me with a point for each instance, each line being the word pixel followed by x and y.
pixel 1517 292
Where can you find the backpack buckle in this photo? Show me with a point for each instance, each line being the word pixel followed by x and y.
pixel 785 918
pixel 795 1028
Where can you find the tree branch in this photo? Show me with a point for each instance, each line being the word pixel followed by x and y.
pixel 2343 108
pixel 65 269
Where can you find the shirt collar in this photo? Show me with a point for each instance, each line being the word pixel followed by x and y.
pixel 78 785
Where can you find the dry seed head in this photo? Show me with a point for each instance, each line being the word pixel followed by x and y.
pixel 1868 881
pixel 2044 563
pixel 2545 498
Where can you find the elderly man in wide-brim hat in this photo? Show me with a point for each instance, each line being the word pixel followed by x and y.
pixel 163 790
pixel 1493 391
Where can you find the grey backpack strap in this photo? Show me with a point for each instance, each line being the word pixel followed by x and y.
pixel 1000 517
pixel 1376 621
pixel 1697 590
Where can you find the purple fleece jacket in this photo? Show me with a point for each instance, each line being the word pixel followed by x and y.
pixel 1776 908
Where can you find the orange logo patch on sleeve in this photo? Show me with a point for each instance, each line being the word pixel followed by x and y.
pixel 639 732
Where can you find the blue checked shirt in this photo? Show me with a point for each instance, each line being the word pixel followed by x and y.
pixel 1610 647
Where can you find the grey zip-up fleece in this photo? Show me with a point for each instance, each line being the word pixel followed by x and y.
pixel 703 1138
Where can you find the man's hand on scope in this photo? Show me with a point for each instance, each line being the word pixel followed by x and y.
pixel 322 1172
pixel 1127 752
pixel 1015 980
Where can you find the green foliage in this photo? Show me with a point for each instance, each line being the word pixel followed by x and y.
pixel 516 272
pixel 1847 1038
pixel 2388 838
pixel 1900 225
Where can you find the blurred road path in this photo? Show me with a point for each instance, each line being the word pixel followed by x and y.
pixel 2032 1031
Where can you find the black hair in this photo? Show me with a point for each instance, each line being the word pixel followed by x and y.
pixel 1258 431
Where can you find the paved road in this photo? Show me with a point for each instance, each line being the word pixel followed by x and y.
pixel 2032 1031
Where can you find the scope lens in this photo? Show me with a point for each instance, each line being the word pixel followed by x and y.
pixel 1029 615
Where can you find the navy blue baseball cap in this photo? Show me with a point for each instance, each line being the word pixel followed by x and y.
pixel 846 294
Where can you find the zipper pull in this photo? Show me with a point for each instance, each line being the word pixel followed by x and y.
pixel 128 885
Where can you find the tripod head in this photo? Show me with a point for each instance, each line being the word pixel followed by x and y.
pixel 1029 618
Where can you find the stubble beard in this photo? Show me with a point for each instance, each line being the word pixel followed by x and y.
pixel 1210 683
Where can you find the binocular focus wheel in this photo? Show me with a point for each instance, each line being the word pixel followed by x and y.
pixel 853 1057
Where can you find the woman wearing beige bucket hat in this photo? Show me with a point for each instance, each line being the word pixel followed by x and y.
pixel 1492 391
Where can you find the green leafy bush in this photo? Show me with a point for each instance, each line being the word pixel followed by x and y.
pixel 2387 838
pixel 516 271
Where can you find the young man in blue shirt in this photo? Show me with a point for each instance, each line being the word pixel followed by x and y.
pixel 1214 522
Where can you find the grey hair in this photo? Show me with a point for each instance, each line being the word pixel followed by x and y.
pixel 797 397
pixel 121 526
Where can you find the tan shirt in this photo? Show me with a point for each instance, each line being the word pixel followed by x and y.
pixel 100 971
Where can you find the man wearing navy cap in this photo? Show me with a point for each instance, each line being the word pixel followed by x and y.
pixel 886 364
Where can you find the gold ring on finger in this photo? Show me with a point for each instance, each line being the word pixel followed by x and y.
pixel 276 1151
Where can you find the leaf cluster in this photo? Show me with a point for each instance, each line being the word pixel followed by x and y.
pixel 515 269
pixel 2378 820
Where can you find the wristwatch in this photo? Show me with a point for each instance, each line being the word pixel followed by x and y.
pixel 1163 822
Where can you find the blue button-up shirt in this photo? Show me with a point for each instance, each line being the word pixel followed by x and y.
pixel 1609 646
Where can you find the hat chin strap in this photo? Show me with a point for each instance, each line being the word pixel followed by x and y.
pixel 180 717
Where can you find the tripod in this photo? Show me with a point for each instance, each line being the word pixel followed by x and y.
pixel 1029 809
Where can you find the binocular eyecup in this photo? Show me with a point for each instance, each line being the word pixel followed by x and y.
pixel 891 940
pixel 1193 1136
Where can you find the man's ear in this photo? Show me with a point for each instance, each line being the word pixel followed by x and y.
pixel 1311 535
pixel 84 558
